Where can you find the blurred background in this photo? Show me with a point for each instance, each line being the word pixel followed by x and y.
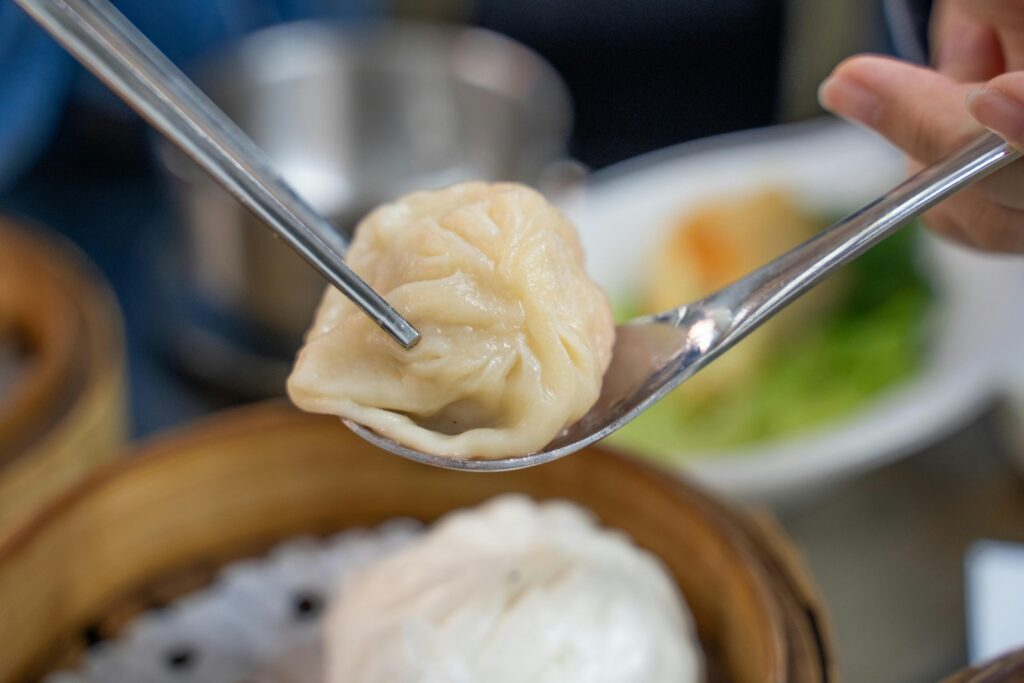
pixel 356 108
pixel 638 78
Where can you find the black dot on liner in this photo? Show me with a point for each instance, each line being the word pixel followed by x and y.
pixel 92 635
pixel 180 658
pixel 306 605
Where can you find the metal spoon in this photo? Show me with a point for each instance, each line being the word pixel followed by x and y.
pixel 106 43
pixel 653 355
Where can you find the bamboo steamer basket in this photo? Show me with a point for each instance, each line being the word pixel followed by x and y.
pixel 153 527
pixel 1006 669
pixel 64 411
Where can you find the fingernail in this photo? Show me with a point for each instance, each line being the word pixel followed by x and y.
pixel 998 111
pixel 849 99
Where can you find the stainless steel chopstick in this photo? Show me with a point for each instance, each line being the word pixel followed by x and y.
pixel 106 43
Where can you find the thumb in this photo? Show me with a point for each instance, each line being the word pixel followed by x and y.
pixel 917 109
pixel 999 105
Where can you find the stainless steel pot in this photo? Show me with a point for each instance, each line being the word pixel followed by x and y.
pixel 353 116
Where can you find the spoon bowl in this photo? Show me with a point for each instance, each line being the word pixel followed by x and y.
pixel 650 357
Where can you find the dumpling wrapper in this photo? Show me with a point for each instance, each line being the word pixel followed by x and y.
pixel 515 336
pixel 509 592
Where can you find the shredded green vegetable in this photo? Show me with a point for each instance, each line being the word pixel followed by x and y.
pixel 872 339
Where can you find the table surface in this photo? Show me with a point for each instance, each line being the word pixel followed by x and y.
pixel 887 549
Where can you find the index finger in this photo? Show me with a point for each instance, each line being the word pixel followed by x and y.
pixel 964 47
pixel 1006 17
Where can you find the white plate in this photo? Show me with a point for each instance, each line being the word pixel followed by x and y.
pixel 623 213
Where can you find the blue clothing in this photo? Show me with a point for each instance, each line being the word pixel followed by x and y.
pixel 908 24
pixel 37 78
pixel 34 78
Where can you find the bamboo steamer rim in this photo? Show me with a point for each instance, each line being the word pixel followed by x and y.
pixel 54 303
pixel 1006 669
pixel 746 539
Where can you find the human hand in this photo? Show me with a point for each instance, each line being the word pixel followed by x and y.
pixel 978 83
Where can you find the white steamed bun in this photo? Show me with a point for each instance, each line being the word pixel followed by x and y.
pixel 515 337
pixel 513 592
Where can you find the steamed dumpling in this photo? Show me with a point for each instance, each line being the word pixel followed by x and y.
pixel 515 337
pixel 509 592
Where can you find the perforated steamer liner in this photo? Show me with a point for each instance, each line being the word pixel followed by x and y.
pixel 259 622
